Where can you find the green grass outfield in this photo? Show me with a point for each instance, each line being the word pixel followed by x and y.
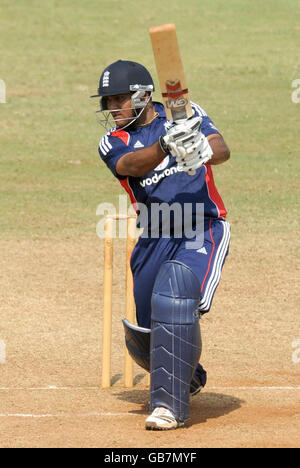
pixel 240 57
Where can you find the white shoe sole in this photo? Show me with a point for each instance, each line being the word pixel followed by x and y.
pixel 156 427
pixel 161 424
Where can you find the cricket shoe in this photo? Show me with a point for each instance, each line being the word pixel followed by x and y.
pixel 162 420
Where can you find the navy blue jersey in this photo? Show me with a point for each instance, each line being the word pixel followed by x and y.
pixel 166 183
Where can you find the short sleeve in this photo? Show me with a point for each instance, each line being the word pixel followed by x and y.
pixel 111 149
pixel 207 127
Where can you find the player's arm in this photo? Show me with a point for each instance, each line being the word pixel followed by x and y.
pixel 139 163
pixel 193 147
pixel 221 152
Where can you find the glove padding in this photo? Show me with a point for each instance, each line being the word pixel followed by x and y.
pixel 179 131
pixel 191 152
pixel 185 141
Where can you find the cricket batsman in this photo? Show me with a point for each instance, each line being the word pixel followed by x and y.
pixel 174 282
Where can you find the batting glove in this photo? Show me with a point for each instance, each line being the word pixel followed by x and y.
pixel 191 152
pixel 179 132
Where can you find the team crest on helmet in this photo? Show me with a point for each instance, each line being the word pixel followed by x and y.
pixel 105 81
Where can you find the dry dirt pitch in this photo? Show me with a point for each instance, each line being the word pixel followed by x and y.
pixel 51 326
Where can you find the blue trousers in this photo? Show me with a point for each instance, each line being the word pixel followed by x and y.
pixel 206 262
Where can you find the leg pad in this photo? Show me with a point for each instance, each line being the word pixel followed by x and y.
pixel 137 340
pixel 175 338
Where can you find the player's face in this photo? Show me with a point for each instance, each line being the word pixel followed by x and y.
pixel 119 106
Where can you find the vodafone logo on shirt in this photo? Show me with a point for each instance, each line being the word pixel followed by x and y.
pixel 163 164
pixel 158 177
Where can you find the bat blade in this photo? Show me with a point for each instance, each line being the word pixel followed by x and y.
pixel 170 72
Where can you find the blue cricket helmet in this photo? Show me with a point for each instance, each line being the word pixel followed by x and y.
pixel 122 77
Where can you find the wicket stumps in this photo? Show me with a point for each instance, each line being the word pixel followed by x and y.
pixel 108 291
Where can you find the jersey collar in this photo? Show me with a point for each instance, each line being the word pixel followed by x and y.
pixel 160 109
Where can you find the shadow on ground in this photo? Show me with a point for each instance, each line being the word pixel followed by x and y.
pixel 204 406
pixel 210 405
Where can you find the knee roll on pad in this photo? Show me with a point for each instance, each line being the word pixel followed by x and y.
pixel 175 337
pixel 178 285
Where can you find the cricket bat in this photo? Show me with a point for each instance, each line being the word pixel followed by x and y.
pixel 170 73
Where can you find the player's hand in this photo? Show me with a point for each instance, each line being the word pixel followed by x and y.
pixel 179 131
pixel 191 152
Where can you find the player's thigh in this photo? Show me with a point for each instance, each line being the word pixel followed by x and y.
pixel 146 261
pixel 207 261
